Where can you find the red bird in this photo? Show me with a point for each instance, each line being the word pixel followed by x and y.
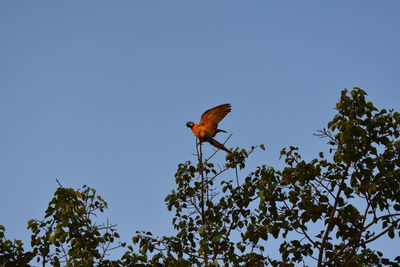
pixel 207 127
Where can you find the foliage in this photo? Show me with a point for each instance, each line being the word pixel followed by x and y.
pixel 205 219
pixel 351 197
pixel 12 252
pixel 67 235
pixel 325 211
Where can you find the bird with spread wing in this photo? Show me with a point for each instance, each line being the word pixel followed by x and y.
pixel 208 125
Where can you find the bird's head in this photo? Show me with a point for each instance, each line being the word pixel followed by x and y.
pixel 190 124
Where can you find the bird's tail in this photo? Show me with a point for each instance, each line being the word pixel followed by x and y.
pixel 218 145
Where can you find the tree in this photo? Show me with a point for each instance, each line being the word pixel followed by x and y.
pixel 67 235
pixel 351 196
pixel 12 252
pixel 323 212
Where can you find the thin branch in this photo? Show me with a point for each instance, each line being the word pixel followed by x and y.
pixel 326 133
pixel 379 235
pixel 59 184
pixel 369 201
pixel 356 237
pixel 237 176
pixel 325 187
pixel 200 160
pixel 301 228
pixel 330 220
pixel 200 156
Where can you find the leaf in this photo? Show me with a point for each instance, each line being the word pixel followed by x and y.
pixel 202 229
pixel 391 233
pixel 52 239
pixel 240 247
pixel 371 188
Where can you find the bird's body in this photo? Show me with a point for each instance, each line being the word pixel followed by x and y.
pixel 202 133
pixel 208 125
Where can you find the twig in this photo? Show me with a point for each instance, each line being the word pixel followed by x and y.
pixel 237 176
pixel 356 237
pixel 59 184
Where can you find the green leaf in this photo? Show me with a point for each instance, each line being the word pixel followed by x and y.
pixel 217 237
pixel 202 229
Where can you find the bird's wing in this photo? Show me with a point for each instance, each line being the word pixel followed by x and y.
pixel 210 119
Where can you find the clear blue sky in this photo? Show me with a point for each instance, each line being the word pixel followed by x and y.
pixel 98 92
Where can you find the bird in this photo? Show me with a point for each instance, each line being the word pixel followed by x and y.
pixel 208 125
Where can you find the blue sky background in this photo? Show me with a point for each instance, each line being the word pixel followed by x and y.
pixel 98 92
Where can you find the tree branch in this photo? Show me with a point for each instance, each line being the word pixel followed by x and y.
pixel 330 220
pixel 356 237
